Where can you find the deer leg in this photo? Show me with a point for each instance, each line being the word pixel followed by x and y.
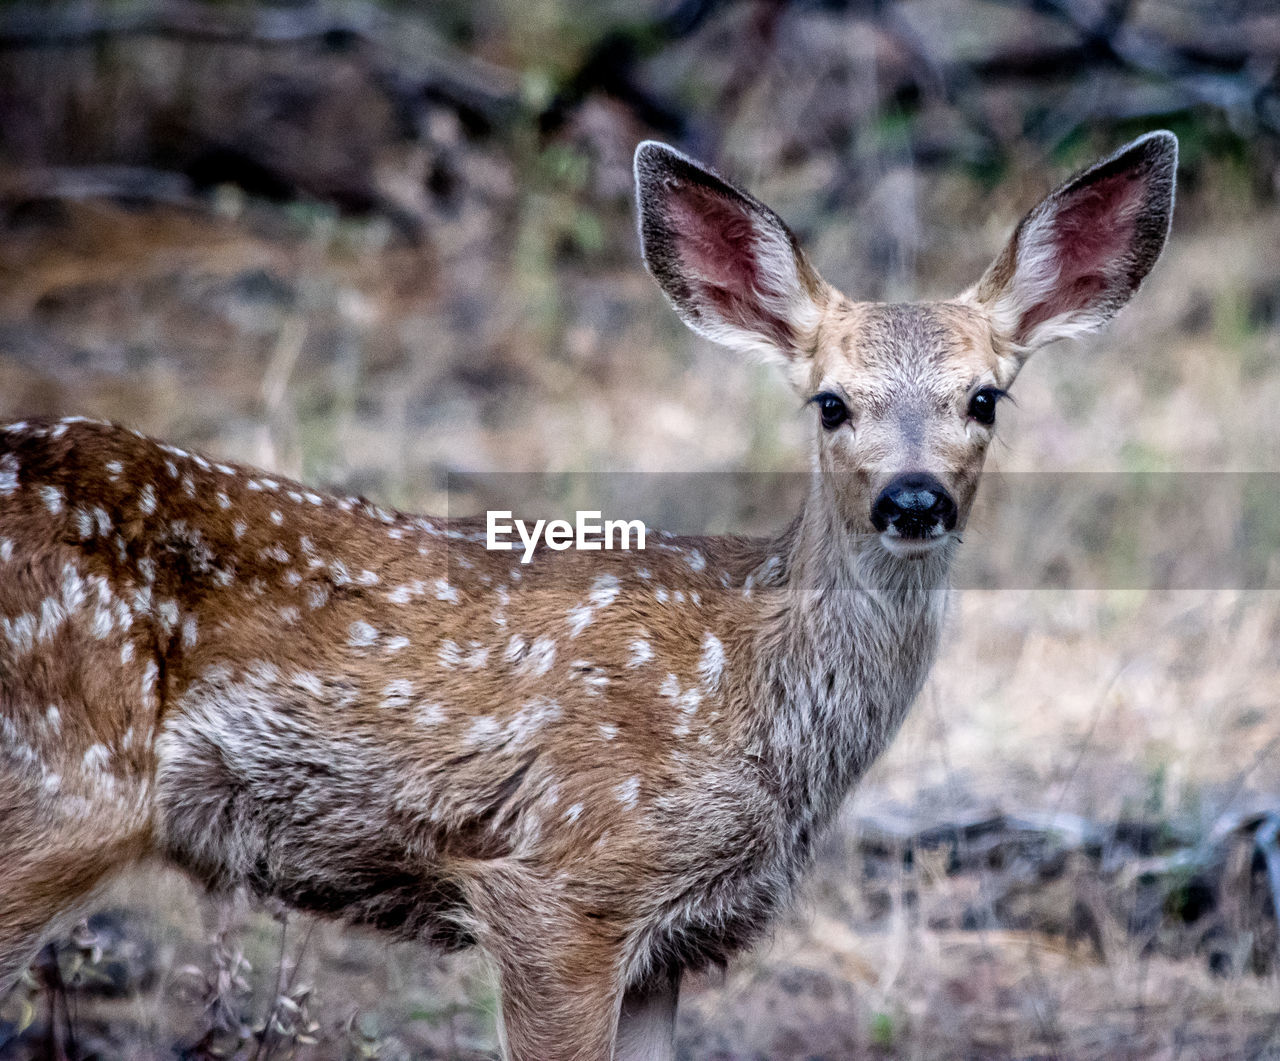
pixel 48 867
pixel 647 1025
pixel 559 971
pixel 558 1004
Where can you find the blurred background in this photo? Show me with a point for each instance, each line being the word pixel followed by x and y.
pixel 389 248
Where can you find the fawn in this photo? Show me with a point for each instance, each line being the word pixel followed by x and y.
pixel 603 768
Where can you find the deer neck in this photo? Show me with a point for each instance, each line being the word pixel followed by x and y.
pixel 843 653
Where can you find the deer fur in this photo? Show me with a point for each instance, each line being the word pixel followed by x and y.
pixel 604 768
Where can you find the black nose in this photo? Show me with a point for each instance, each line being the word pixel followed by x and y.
pixel 914 504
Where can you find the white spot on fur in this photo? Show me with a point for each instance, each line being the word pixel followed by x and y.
pixel 403 594
pixel 102 623
pixel 473 657
pixel 308 682
pixel 712 661
pixel 608 730
pixel 446 592
pixel 8 474
pixel 361 635
pixel 641 653
pixel 541 657
pixel 6 550
pixel 450 654
pixel 430 714
pixel 573 813
pixel 224 502
pixel 167 613
pixel 535 714
pixel 628 793
pixel 147 500
pixel 52 497
pixel 482 730
pixel 96 758
pixel 397 693
pixel 277 517
pixel 685 702
pixel 396 644
pixel 276 552
pixel 580 618
pixel 604 591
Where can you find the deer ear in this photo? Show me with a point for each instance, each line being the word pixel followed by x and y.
pixel 1079 256
pixel 730 267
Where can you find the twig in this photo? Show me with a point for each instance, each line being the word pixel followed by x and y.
pixel 280 987
pixel 1265 841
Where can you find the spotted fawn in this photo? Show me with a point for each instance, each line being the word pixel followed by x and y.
pixel 603 768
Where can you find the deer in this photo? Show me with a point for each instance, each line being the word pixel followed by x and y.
pixel 606 769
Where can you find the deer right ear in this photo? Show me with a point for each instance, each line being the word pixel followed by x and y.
pixel 730 267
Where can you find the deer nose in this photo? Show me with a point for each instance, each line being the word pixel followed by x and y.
pixel 914 505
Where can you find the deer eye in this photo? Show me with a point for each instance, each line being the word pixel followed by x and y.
pixel 832 411
pixel 982 406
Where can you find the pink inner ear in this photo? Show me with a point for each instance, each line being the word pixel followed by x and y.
pixel 1091 232
pixel 717 246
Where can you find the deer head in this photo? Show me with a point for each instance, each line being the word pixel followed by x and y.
pixel 906 395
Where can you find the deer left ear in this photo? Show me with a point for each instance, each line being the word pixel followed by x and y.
pixel 1079 256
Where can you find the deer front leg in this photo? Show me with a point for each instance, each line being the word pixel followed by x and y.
pixel 559 1002
pixel 559 970
pixel 647 1025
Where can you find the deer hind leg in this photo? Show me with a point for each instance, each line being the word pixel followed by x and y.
pixel 49 864
pixel 647 1025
